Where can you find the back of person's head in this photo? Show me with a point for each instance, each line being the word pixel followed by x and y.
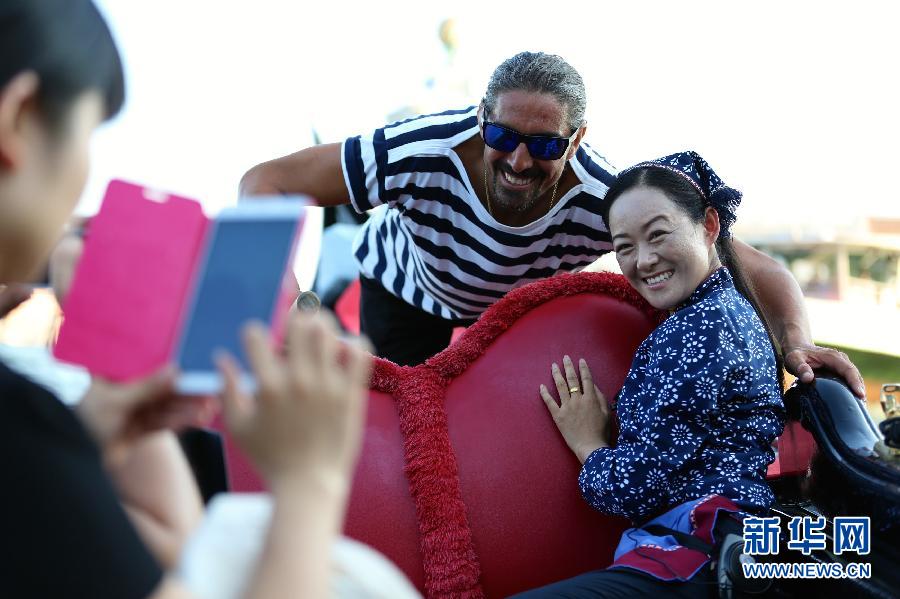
pixel 68 45
pixel 685 195
pixel 540 73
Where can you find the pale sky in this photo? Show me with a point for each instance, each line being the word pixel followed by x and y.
pixel 794 103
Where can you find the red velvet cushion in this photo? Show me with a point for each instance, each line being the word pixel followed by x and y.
pixel 518 477
pixel 501 512
pixel 381 511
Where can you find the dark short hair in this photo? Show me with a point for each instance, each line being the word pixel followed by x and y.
pixel 543 73
pixel 68 44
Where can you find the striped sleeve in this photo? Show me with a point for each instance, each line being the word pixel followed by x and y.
pixel 371 162
pixel 596 165
pixel 360 157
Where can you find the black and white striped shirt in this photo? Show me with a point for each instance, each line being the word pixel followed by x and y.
pixel 433 243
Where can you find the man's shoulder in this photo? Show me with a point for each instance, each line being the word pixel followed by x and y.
pixel 596 170
pixel 446 128
pixel 455 114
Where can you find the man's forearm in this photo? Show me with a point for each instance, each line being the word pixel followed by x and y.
pixel 316 172
pixel 257 181
pixel 779 295
pixel 782 303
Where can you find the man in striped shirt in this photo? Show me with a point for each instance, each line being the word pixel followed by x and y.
pixel 469 204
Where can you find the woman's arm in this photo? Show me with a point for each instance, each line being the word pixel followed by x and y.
pixel 302 430
pixel 630 479
pixel 160 495
pixel 296 556
pixel 131 424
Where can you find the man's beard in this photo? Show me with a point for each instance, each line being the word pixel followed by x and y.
pixel 512 201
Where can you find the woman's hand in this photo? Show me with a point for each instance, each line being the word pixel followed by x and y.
pixel 582 415
pixel 304 425
pixel 119 415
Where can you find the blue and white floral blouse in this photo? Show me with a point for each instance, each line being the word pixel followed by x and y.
pixel 698 412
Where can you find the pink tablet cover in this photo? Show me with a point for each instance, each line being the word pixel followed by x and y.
pixel 123 311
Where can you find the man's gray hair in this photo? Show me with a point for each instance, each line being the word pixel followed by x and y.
pixel 543 73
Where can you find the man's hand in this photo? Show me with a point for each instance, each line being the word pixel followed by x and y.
pixel 119 415
pixel 582 415
pixel 801 360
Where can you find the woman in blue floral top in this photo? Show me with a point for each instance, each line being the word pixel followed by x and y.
pixel 701 404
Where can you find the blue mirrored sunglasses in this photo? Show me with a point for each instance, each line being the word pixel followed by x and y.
pixel 541 147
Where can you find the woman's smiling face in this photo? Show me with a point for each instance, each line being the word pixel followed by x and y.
pixel 662 252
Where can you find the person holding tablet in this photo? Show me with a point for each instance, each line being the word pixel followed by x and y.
pixel 65 531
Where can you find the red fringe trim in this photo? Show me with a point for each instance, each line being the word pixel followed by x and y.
pixel 448 554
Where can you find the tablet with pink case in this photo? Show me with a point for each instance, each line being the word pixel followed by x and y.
pixel 133 291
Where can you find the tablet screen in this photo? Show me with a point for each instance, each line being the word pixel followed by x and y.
pixel 240 282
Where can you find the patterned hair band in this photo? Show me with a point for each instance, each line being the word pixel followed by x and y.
pixel 711 188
